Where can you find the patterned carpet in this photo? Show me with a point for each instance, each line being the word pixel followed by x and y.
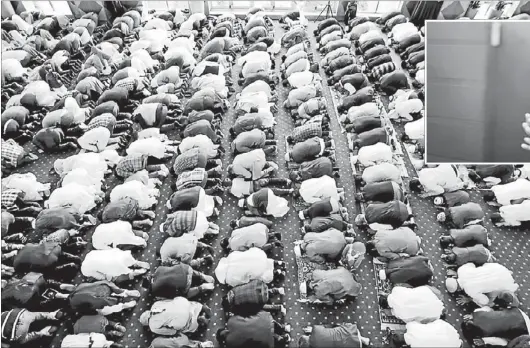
pixel 510 245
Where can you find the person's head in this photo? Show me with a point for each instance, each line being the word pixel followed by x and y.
pixel 415 185
pixel 449 257
pixel 220 335
pixel 383 301
pixel 144 318
pixel 441 217
pixel 360 220
pixel 506 299
pixel 234 223
pixel 370 247
pixel 314 68
pixel 421 96
pixel 439 201
pixel 290 139
pixel 405 137
pixel 451 284
pixel 225 244
pixel 445 241
pixel 489 196
pixel 294 175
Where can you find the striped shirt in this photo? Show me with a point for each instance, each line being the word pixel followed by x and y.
pixel 383 69
pixel 106 120
pixel 131 164
pixel 307 131
pixel 195 177
pixel 11 152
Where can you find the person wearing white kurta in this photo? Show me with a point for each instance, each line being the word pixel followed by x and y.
pixel 94 164
pixel 317 189
pixel 201 66
pixel 404 108
pixel 199 141
pixel 82 198
pixel 485 282
pixel 399 96
pixel 303 78
pixel 34 191
pixel 110 264
pixel 158 23
pixel 205 203
pixel 145 195
pixel 415 130
pixel 253 56
pixel 13 70
pixel 96 140
pixel 150 146
pixel 374 154
pixel 145 57
pixel 436 334
pixel 255 87
pixel 367 109
pixel 275 206
pixel 370 35
pixel 402 31
pixel 82 177
pixel 252 100
pixel 419 304
pixel 117 233
pixel 513 215
pixel 216 82
pixel 240 267
pixel 436 181
pixel 506 193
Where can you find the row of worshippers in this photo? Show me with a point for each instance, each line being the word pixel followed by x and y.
pixel 42 268
pixel 253 313
pixel 466 244
pixel 386 215
pixel 128 212
pixel 484 287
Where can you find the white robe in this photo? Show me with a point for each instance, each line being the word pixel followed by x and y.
pixel 374 154
pixel 146 197
pixel 149 146
pixel 240 267
pixel 513 215
pixel 26 183
pixel 111 235
pixel 415 304
pixel 437 334
pixel 82 198
pixel 317 189
pixel 512 191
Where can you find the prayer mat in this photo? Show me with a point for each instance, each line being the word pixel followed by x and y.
pixel 387 319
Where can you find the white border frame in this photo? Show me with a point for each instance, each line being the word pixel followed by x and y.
pixel 426 91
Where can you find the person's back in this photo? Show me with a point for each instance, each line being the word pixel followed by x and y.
pixel 254 331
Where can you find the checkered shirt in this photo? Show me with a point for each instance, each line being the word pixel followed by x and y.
pixel 131 164
pixel 255 292
pixel 105 120
pixel 195 177
pixel 308 130
pixel 186 161
pixel 383 69
pixel 129 83
pixel 9 197
pixel 11 151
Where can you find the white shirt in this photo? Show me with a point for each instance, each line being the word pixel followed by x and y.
pixel 11 69
pixel 205 204
pixel 416 129
pixel 437 334
pixel 517 189
pixel 316 189
pixel 254 56
pixel 436 181
pixel 199 68
pixel 367 109
pixel 216 82
pixel 399 96
pixel 107 264
pixel 81 198
pixel 374 154
pixel 184 247
pixel 111 235
pixel 256 86
pixel 241 187
pixel 86 340
pixel 26 183
pixel 420 76
pixel 403 30
pixel 404 108
pixel 276 206
pixel 488 279
pixel 180 51
pixel 415 304
pixel 381 172
pixel 256 99
pixel 302 78
pixel 240 267
pixel 146 196
pixel 199 141
pixel 254 66
pixel 95 140
pixel 513 215
pixel 82 177
pixel 149 146
pixel 93 163
pixel 244 238
pixel 369 35
pixel 157 23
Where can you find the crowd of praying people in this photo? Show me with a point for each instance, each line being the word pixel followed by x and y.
pixel 142 100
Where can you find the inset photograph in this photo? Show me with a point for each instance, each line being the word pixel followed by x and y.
pixel 477 91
